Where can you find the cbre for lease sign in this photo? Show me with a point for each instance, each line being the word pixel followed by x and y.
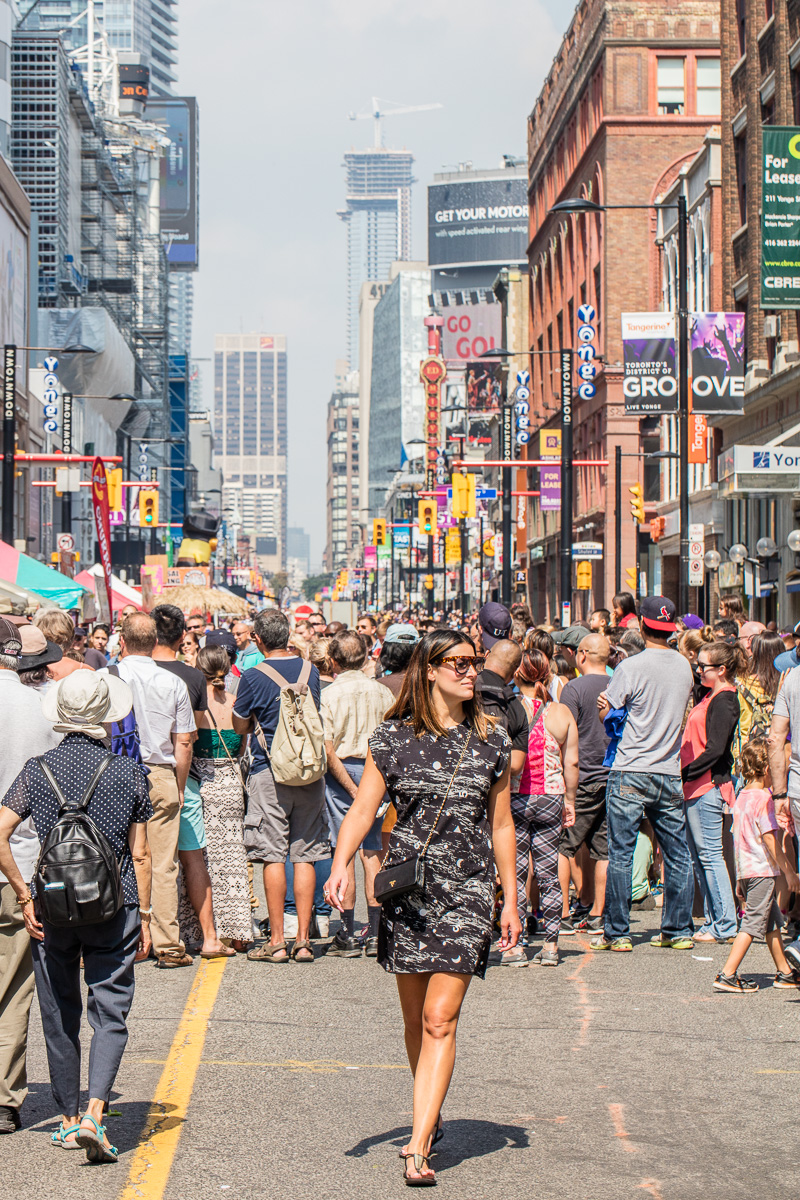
pixel 780 217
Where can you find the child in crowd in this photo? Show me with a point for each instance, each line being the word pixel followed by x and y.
pixel 760 859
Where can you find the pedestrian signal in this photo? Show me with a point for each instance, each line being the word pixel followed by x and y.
pixel 148 509
pixel 114 485
pixel 637 503
pixel 463 495
pixel 427 517
pixel 584 576
pixel 630 579
pixel 379 532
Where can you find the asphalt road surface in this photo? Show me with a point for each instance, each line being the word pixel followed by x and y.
pixel 613 1076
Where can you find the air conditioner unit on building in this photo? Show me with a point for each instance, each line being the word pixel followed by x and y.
pixel 772 327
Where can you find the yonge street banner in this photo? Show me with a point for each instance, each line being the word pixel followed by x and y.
pixel 717 363
pixel 651 370
pixel 780 217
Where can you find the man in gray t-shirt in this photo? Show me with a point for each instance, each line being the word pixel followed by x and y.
pixel 786 783
pixel 652 689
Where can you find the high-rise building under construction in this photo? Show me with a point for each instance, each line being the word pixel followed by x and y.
pixel 378 219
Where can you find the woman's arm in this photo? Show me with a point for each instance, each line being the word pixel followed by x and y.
pixel 140 853
pixel 569 757
pixel 504 841
pixel 355 827
pixel 8 823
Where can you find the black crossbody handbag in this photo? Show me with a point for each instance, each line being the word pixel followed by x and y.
pixel 409 874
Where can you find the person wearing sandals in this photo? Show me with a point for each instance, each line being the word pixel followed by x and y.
pixel 760 859
pixel 543 802
pixel 120 807
pixel 446 769
pixel 216 755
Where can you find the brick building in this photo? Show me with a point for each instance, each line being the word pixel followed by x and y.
pixel 630 96
pixel 760 51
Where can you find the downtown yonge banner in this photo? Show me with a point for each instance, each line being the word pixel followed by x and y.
pixel 780 217
pixel 716 363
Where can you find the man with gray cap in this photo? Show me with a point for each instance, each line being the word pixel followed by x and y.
pixel 112 790
pixel 25 732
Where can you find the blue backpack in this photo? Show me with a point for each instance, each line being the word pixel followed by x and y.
pixel 125 734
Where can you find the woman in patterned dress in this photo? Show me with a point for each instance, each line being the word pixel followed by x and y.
pixel 216 753
pixel 435 939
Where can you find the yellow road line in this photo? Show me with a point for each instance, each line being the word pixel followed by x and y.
pixel 292 1064
pixel 152 1161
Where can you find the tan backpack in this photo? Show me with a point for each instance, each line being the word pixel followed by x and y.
pixel 298 747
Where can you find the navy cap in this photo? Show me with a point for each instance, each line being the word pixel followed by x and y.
pixel 495 622
pixel 658 612
pixel 221 637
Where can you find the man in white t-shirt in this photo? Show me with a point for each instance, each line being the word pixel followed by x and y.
pixel 166 732
pixel 653 689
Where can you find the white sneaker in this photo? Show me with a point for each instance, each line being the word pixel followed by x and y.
pixel 323 925
pixel 290 925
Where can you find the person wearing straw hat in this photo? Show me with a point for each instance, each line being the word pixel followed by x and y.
pixel 80 707
pixel 25 732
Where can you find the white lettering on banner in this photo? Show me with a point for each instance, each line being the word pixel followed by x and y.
pixel 647 385
pixel 500 212
pixel 50 395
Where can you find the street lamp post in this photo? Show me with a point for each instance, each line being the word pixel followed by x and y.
pixel 576 206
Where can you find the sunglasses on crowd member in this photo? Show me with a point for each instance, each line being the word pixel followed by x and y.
pixel 196 627
pixel 461 663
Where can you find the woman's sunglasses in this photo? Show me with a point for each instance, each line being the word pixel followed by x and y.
pixel 461 663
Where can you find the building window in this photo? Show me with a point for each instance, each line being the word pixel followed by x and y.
pixel 741 175
pixel 671 85
pixel 708 87
pixel 741 21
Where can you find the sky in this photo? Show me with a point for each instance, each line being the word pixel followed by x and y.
pixel 275 82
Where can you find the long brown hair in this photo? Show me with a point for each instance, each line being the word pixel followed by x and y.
pixel 414 703
pixel 535 671
pixel 764 649
pixel 732 658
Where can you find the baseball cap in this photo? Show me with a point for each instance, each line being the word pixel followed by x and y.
pixel 658 612
pixel 692 621
pixel 495 622
pixel 36 650
pixel 572 636
pixel 403 633
pixel 221 637
pixel 10 643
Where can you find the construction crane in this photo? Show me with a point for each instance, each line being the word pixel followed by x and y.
pixel 379 111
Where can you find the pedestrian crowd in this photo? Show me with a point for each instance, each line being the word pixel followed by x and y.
pixel 501 783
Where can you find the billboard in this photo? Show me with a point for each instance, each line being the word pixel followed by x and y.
pixel 484 397
pixel 718 353
pixel 470 330
pixel 179 179
pixel 780 217
pixel 478 221
pixel 651 373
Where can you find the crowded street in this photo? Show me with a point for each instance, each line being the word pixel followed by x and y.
pixel 612 1080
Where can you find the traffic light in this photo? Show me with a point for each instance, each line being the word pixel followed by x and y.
pixel 427 517
pixel 584 576
pixel 148 509
pixel 637 503
pixel 114 485
pixel 379 532
pixel 463 495
pixel 630 579
pixel 428 582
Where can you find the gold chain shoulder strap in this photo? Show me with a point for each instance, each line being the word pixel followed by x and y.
pixel 447 793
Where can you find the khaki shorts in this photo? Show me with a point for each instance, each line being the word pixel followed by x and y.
pixel 285 821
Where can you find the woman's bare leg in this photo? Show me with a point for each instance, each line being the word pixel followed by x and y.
pixel 444 996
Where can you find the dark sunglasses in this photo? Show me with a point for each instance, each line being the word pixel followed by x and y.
pixel 461 663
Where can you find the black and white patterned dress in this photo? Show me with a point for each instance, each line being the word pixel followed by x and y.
pixel 448 926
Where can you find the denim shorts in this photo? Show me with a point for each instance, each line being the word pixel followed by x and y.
pixel 338 801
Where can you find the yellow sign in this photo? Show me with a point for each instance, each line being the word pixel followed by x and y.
pixel 452 547
pixel 488 548
pixel 549 443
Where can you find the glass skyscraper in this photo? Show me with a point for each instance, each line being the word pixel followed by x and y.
pixel 250 439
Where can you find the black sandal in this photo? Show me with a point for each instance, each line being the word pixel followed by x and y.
pixel 419 1180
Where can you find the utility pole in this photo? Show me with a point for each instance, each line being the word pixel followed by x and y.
pixel 462 534
pixel 566 487
pixel 618 518
pixel 505 477
pixel 683 399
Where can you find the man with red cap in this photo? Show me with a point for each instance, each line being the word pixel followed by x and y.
pixel 652 689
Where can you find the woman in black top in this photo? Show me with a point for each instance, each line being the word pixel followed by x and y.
pixel 435 939
pixel 706 763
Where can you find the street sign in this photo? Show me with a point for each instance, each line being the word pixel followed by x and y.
pixel 697 548
pixel 480 493
pixel 582 550
pixel 65 542
pixel 401 538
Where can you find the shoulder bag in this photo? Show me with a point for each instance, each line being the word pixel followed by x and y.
pixel 409 874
